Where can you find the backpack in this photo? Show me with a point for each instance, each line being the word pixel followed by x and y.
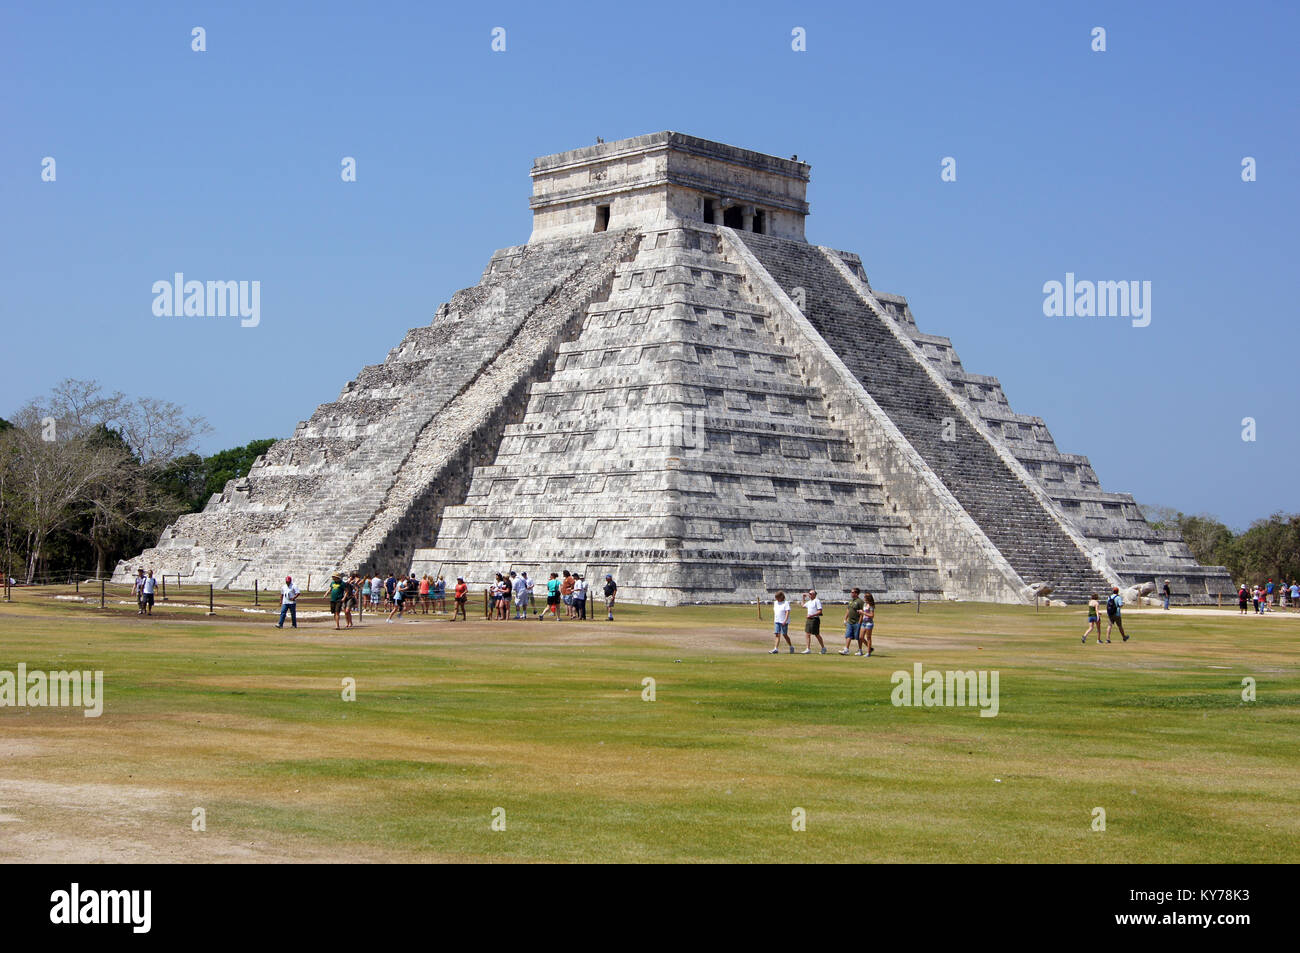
pixel 1112 604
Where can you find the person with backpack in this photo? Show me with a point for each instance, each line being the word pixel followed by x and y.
pixel 1166 593
pixel 351 590
pixel 1114 604
pixel 1243 597
pixel 399 598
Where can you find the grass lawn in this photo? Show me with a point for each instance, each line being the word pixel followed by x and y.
pixel 547 721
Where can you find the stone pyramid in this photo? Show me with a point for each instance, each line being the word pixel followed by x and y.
pixel 670 384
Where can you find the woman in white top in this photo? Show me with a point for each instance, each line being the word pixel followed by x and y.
pixel 781 615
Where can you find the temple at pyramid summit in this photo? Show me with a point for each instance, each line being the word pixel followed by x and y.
pixel 670 384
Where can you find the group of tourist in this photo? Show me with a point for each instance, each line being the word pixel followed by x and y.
pixel 409 593
pixel 1114 614
pixel 1267 597
pixel 859 623
pixel 143 588
pixel 569 589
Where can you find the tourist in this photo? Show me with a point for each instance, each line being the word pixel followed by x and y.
pixel 288 602
pixel 376 592
pixel 350 590
pixel 399 599
pixel 812 625
pixel 149 587
pixel 853 622
pixel 780 623
pixel 365 592
pixel 580 597
pixel 440 593
pixel 611 588
pixel 1243 597
pixel 1094 618
pixel 552 597
pixel 1114 603
pixel 520 588
pixel 390 589
pixel 336 593
pixel 566 593
pixel 868 624
pixel 1166 592
pixel 137 590
pixel 1295 594
pixel 1268 592
pixel 528 592
pixel 461 595
pixel 500 597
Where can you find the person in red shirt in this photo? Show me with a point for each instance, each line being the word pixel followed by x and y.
pixel 461 592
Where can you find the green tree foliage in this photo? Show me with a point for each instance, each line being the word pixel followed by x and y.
pixel 1268 549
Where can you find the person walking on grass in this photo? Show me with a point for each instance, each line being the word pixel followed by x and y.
pixel 868 624
pixel 336 593
pixel 552 598
pixel 137 590
pixel 1094 618
pixel 780 624
pixel 812 626
pixel 399 599
pixel 853 622
pixel 288 602
pixel 1114 605
pixel 461 595
pixel 149 587
pixel 611 590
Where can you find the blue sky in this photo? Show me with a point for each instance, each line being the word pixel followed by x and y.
pixel 1122 165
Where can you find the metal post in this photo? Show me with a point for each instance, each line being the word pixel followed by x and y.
pixel 211 610
pixel 254 592
pixel 164 585
pixel 918 602
pixel 101 593
pixel 78 584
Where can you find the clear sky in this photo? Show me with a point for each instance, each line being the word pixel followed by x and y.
pixel 1116 165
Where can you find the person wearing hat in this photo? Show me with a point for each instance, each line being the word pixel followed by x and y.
pixel 461 594
pixel 1114 603
pixel 288 602
pixel 611 587
pixel 336 592
pixel 1166 594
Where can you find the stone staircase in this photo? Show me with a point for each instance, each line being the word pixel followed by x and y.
pixel 1028 535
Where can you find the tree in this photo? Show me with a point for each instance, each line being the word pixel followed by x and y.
pixel 47 483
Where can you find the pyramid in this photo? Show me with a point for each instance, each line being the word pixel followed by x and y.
pixel 668 383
